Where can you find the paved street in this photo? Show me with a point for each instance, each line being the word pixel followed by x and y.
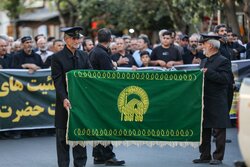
pixel 41 152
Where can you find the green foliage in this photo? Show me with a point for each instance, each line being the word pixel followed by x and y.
pixel 13 7
pixel 141 14
pixel 125 14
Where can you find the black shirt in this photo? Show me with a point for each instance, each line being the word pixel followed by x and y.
pixel 61 63
pixel 166 54
pixel 21 58
pixel 131 60
pixel 100 58
pixel 5 61
pixel 189 56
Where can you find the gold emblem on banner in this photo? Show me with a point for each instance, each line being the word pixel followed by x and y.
pixel 133 103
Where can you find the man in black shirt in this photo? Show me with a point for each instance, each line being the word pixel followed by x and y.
pixel 100 60
pixel 166 55
pixel 191 54
pixel 123 58
pixel 27 58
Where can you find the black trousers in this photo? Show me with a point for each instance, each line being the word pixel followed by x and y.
pixel 220 143
pixel 230 96
pixel 79 152
pixel 103 153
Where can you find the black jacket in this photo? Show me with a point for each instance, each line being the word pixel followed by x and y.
pixel 61 63
pixel 21 58
pixel 5 61
pixel 216 82
pixel 100 58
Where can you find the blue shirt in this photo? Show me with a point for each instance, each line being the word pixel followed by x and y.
pixel 137 56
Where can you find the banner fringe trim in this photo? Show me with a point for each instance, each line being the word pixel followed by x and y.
pixel 136 143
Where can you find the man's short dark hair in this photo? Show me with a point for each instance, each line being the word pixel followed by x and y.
pixel 37 36
pixel 216 28
pixel 85 40
pixel 167 33
pixel 57 40
pixel 145 39
pixel 144 53
pixel 104 35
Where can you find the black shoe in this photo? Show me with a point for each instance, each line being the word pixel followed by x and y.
pixel 201 161
pixel 215 162
pixel 99 161
pixel 114 162
pixel 240 164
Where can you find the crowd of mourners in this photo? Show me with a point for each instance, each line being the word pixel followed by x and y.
pixel 173 48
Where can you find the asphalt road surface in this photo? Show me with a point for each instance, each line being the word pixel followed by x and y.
pixel 41 152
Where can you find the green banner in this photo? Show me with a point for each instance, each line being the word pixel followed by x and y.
pixel 27 101
pixel 160 107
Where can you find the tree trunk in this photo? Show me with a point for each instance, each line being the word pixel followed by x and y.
pixel 247 14
pixel 61 18
pixel 229 6
pixel 247 9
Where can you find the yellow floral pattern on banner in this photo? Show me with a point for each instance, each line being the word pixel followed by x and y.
pixel 135 76
pixel 134 132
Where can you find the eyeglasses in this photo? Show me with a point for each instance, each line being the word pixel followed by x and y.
pixel 193 41
pixel 74 38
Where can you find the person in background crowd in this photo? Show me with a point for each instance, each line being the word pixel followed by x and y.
pixel 113 37
pixel 166 55
pixel 177 45
pixel 43 51
pixel 227 52
pixel 221 30
pixel 70 58
pixel 88 45
pixel 51 39
pixel 127 40
pixel 142 44
pixel 16 46
pixel 236 39
pixel 133 46
pixel 27 58
pixel 177 38
pixel 235 46
pixel 113 48
pixel 58 45
pixel 123 58
pixel 191 54
pixel 38 36
pixel 10 43
pixel 101 60
pixel 5 59
pixel 217 71
pixel 183 41
pixel 145 58
pixel 50 43
pixel 82 37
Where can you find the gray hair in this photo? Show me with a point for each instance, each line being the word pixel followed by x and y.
pixel 215 43
pixel 161 32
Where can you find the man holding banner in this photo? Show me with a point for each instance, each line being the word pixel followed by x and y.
pixel 70 58
pixel 217 71
pixel 100 60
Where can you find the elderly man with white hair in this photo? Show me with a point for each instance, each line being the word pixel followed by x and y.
pixel 217 71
